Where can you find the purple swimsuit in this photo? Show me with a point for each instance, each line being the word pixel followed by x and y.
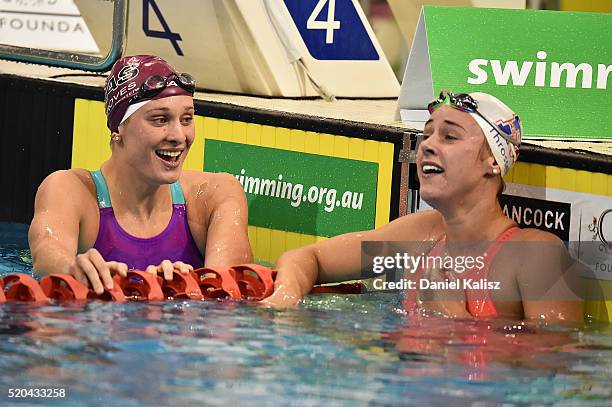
pixel 175 243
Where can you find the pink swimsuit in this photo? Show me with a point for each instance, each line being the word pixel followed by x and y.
pixel 479 301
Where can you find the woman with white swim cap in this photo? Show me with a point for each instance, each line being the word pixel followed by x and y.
pixel 469 143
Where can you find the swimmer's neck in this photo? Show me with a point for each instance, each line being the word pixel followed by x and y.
pixel 482 220
pixel 131 194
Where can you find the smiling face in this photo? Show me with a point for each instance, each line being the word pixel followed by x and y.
pixel 453 159
pixel 156 138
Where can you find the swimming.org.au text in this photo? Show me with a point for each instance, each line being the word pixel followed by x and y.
pixel 297 193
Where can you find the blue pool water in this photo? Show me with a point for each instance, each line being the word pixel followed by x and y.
pixel 333 350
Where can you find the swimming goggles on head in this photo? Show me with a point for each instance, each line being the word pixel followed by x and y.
pixel 155 84
pixel 468 104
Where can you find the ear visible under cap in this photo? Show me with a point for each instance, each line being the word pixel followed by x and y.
pixel 494 168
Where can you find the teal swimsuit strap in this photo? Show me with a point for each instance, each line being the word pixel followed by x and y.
pixel 101 190
pixel 178 198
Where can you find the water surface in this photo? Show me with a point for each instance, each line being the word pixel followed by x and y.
pixel 333 350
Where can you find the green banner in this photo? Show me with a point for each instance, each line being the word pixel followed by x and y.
pixel 553 68
pixel 299 192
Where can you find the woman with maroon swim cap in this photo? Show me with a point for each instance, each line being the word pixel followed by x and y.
pixel 140 210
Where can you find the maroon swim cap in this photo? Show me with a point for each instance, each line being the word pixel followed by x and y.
pixel 126 78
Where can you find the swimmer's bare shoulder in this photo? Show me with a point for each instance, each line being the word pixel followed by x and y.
pixel 72 192
pixel 546 275
pixel 65 212
pixel 207 189
pixel 217 212
pixel 525 249
pixel 531 234
pixel 537 247
pixel 426 225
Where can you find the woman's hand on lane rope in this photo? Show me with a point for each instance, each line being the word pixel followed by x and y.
pixel 167 268
pixel 91 269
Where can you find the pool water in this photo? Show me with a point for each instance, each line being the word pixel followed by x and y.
pixel 333 350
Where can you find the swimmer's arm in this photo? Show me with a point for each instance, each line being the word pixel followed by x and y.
pixel 54 231
pixel 550 285
pixel 227 235
pixel 332 260
pixel 338 258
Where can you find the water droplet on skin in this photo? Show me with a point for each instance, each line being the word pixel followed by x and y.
pixel 50 233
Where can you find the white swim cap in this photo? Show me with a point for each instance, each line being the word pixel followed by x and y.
pixel 500 125
pixel 494 119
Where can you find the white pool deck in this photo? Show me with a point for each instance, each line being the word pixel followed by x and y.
pixel 371 111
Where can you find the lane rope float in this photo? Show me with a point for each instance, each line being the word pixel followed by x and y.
pixel 248 282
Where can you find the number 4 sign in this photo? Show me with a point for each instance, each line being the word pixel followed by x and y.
pixel 167 33
pixel 329 25
pixel 332 29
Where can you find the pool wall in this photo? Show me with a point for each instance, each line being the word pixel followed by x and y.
pixel 307 151
pixel 49 125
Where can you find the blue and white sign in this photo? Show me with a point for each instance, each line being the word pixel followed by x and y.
pixel 332 29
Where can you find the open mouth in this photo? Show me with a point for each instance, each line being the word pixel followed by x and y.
pixel 432 169
pixel 168 155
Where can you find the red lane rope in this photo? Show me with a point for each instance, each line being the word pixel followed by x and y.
pixel 217 283
pixel 243 282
